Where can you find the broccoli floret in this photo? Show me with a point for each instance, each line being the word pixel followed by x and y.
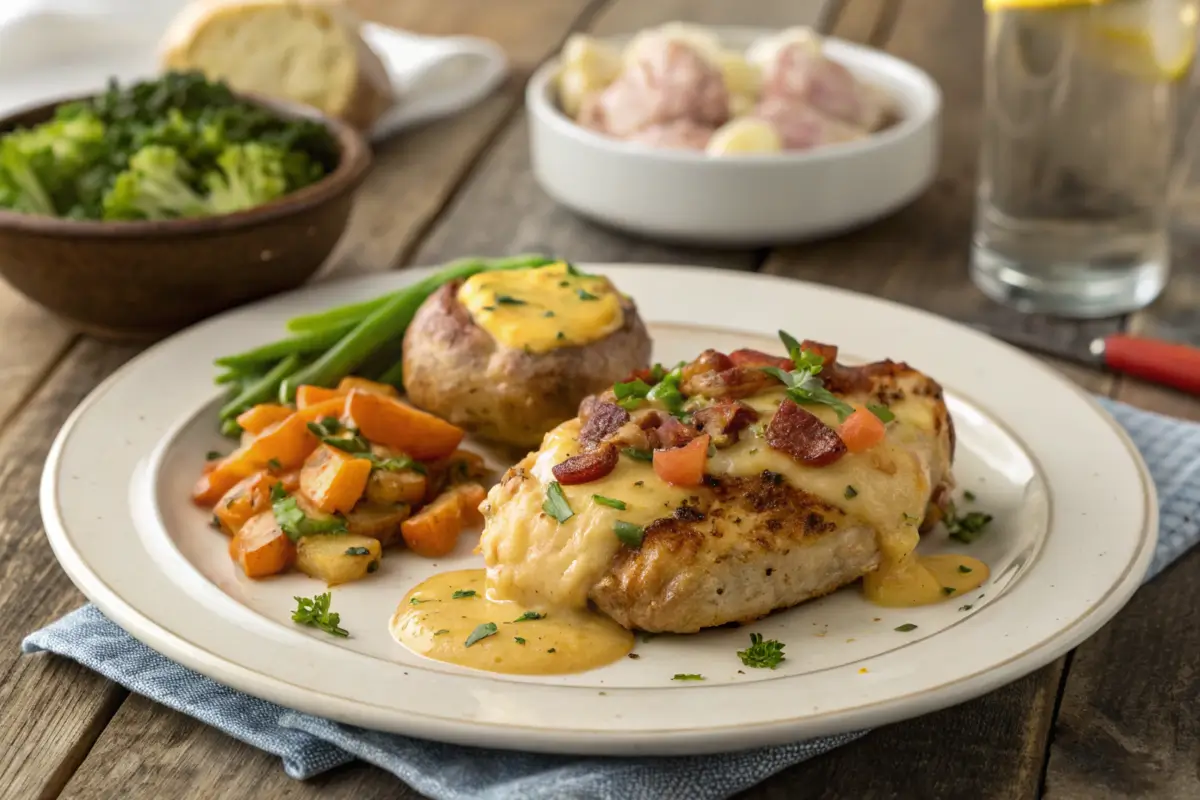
pixel 249 175
pixel 155 187
pixel 40 168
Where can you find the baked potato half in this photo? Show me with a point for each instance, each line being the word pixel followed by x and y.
pixel 458 370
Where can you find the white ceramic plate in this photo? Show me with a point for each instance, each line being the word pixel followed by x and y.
pixel 742 200
pixel 1074 532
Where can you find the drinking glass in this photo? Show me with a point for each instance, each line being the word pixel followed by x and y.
pixel 1077 152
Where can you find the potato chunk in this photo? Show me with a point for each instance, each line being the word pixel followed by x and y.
pixel 377 522
pixel 337 557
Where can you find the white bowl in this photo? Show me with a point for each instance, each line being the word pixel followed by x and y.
pixel 742 200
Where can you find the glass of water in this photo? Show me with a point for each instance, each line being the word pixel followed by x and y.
pixel 1077 152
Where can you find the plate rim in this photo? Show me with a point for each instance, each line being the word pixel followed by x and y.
pixel 482 732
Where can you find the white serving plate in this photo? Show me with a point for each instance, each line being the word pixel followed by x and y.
pixel 1075 527
pixel 742 200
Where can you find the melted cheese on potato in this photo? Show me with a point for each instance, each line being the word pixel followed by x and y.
pixel 543 308
pixel 539 562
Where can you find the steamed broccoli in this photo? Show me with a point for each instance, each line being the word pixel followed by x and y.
pixel 155 187
pixel 249 175
pixel 176 146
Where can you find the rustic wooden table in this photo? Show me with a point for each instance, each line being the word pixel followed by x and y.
pixel 1116 718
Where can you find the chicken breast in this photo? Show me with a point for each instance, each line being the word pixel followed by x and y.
pixel 782 512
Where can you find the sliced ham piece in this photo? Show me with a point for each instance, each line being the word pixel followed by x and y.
pixel 802 127
pixel 667 82
pixel 798 73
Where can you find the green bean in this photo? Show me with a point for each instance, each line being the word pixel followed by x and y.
pixel 384 324
pixel 394 375
pixel 261 390
pixel 296 345
pixel 231 429
pixel 455 270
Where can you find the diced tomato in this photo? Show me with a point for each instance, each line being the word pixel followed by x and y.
pixel 756 358
pixel 683 466
pixel 861 431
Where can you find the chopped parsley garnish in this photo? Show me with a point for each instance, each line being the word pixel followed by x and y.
pixel 967 607
pixel 212 455
pixel 584 294
pixel 964 569
pixel 906 627
pixel 638 454
pixel 910 519
pixel 548 314
pixel 883 412
pixel 762 654
pixel 803 385
pixel 965 528
pixel 373 566
pixel 564 284
pixel 316 613
pixel 215 522
pixel 294 522
pixel 441 632
pixel 518 640
pixel 560 336
pixel 948 590
pixel 610 502
pixel 327 426
pixel 416 601
pixel 851 493
pixel 489 308
pixel 556 504
pixel 461 593
pixel 509 300
pixel 631 393
pixel 396 464
pixel 355 445
pixel 529 615
pixel 969 496
pixel 630 535
pixel 667 391
pixel 687 676
pixel 552 650
pixel 357 551
pixel 274 465
pixel 481 632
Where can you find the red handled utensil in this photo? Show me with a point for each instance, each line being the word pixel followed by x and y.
pixel 1167 363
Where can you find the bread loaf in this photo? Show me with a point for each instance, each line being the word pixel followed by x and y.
pixel 306 51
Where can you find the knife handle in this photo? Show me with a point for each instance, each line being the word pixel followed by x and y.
pixel 1166 363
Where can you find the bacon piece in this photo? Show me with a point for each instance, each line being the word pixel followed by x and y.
pixel 732 383
pixel 603 420
pixel 804 437
pixel 747 357
pixel 586 467
pixel 723 421
pixel 708 361
pixel 827 352
pixel 670 432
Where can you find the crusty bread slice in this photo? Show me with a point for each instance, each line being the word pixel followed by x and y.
pixel 306 51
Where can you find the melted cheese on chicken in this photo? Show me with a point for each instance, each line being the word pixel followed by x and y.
pixel 539 562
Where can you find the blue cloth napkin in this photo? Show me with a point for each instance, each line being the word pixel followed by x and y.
pixel 309 745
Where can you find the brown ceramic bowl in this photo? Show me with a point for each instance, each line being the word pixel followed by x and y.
pixel 142 280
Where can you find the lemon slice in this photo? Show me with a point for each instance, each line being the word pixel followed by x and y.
pixel 746 135
pixel 596 59
pixel 1152 38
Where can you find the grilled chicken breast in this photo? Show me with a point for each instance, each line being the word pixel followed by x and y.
pixel 783 510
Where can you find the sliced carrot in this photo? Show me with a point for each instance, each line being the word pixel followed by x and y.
pixel 333 407
pixel 248 498
pixel 387 421
pixel 307 395
pixel 470 497
pixel 260 417
pixel 262 548
pixel 683 466
pixel 433 531
pixel 283 446
pixel 861 431
pixel 351 384
pixel 334 480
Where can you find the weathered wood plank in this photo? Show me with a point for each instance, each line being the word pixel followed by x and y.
pixel 50 710
pixel 929 269
pixel 416 172
pixel 150 751
pixel 501 209
pixel 33 340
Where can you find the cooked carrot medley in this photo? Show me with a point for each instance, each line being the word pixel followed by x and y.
pixel 326 484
